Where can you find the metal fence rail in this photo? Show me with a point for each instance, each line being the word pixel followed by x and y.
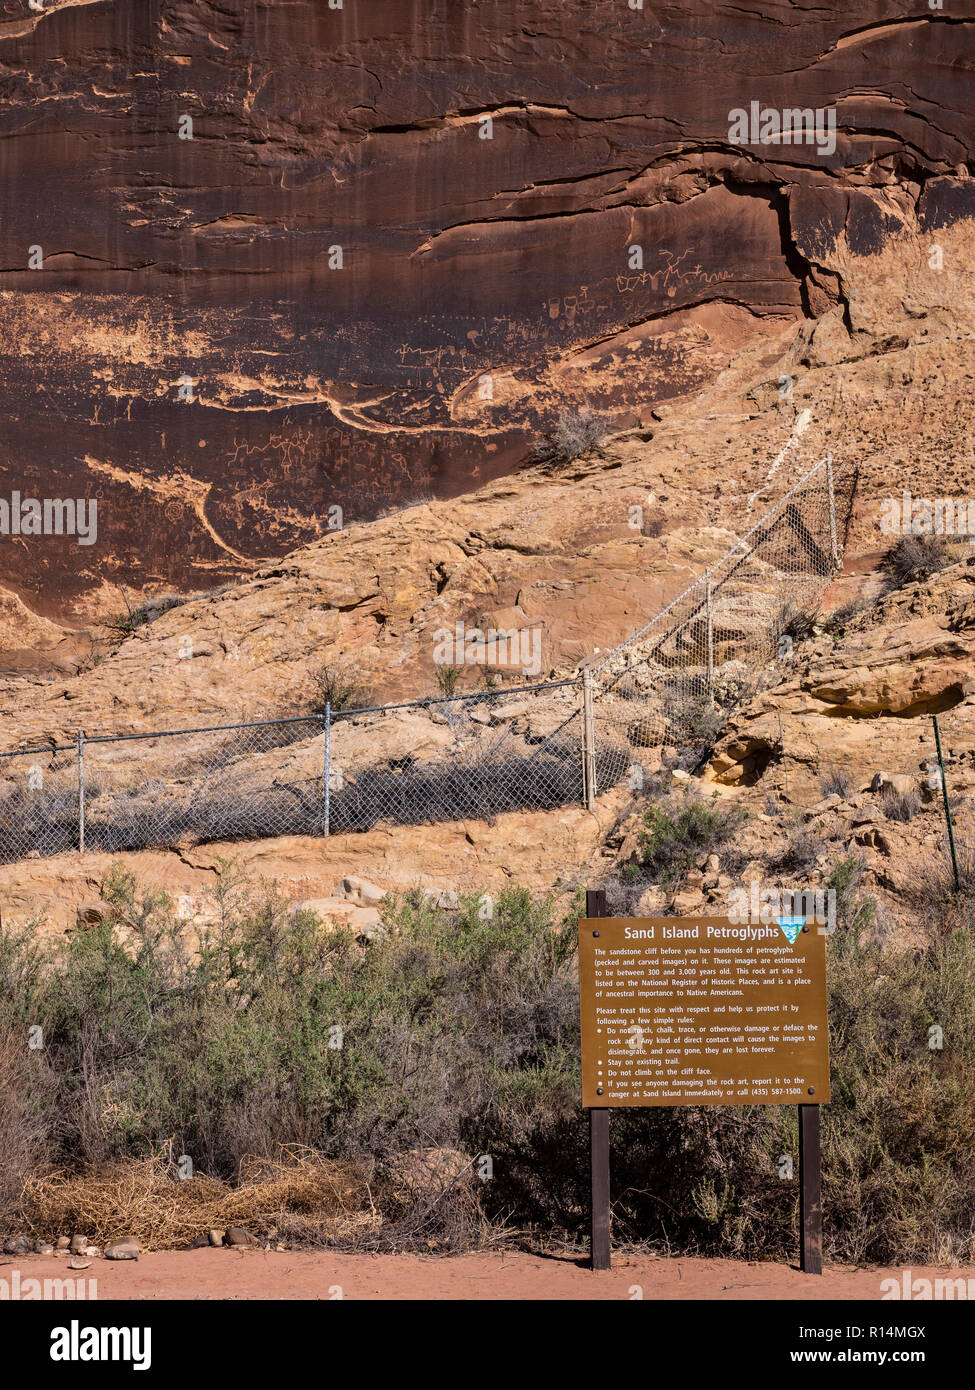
pixel 666 689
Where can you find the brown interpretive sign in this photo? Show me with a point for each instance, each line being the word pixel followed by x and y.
pixel 702 1011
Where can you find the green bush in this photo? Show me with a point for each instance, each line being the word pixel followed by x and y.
pixel 672 841
pixel 459 1029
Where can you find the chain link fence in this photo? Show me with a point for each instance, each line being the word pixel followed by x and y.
pixel 661 695
pixel 666 692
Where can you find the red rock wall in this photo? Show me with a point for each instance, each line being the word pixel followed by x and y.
pixel 470 265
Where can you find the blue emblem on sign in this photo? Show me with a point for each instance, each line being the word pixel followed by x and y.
pixel 791 927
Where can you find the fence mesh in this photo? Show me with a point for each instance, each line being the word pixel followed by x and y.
pixel 250 782
pixel 660 696
pixel 38 802
pixel 472 757
pixel 667 690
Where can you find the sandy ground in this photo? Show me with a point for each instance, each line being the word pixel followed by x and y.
pixel 227 1274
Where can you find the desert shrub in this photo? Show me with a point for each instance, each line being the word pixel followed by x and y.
pixel 800 853
pixel 672 840
pixel 914 558
pixel 854 911
pixel 798 621
pixel 573 434
pixel 146 612
pixel 901 806
pixel 28 1087
pixel 941 904
pixel 278 1033
pixel 447 678
pixel 459 1038
pixel 332 688
pixel 839 619
pixel 835 783
pixel 693 725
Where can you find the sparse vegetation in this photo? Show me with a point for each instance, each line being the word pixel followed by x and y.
pixel 941 905
pixel 801 853
pixel 836 783
pixel 854 911
pixel 447 678
pixel 798 621
pixel 573 434
pixel 674 839
pixel 336 691
pixel 152 608
pixel 147 612
pixel 899 806
pixel 914 558
pixel 459 1037
pixel 693 725
pixel 840 618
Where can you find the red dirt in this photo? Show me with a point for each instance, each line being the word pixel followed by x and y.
pixel 228 1274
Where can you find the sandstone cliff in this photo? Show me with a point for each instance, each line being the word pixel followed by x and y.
pixel 259 260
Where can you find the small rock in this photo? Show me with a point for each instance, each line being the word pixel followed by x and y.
pixel 77 1244
pixel 897 782
pixel 79 1264
pixel 503 714
pixel 62 1243
pixel 123 1250
pixel 690 900
pixel 239 1239
pixel 43 1247
pixel 361 891
pixel 216 1237
pixel 16 1245
pixel 91 1251
pixel 94 912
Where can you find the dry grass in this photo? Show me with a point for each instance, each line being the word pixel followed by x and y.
pixel 144 1200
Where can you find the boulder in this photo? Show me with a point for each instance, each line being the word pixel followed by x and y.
pixel 123 1250
pixel 237 1238
pixel 94 912
pixel 360 891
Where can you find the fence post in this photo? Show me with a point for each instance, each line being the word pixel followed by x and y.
pixel 710 618
pixel 944 793
pixel 588 744
pixel 833 541
pixel 81 791
pixel 327 783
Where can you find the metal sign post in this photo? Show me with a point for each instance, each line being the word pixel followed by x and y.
pixel 810 1191
pixel 599 1142
pixel 694 1011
